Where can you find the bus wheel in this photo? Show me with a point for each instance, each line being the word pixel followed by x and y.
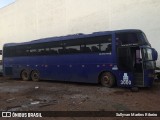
pixel 25 75
pixel 35 76
pixel 107 79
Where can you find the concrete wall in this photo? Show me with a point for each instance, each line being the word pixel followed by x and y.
pixel 27 20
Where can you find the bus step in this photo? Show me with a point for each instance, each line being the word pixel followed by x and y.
pixel 138 79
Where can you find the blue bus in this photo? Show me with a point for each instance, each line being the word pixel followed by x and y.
pixel 124 58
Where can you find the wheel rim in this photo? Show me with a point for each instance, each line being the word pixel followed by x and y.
pixel 106 80
pixel 24 75
pixel 35 76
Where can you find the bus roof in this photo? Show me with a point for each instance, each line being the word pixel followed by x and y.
pixel 73 36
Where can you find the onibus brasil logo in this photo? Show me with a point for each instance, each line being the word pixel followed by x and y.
pixel 19 114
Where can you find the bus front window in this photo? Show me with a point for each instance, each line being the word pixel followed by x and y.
pixel 147 52
pixel 142 37
pixel 149 63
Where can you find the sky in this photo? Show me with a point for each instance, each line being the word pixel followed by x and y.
pixel 4 3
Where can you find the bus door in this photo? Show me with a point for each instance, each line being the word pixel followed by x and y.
pixel 149 65
pixel 137 64
pixel 143 66
pixel 125 76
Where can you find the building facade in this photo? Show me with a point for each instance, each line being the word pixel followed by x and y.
pixel 27 20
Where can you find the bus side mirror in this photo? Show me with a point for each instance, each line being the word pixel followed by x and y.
pixel 154 54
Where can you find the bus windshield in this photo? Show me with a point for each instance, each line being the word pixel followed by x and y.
pixel 143 39
pixel 147 52
pixel 149 63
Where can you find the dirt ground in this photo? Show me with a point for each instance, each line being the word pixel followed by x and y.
pixel 17 95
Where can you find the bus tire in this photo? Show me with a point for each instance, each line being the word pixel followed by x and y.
pixel 25 75
pixel 35 75
pixel 107 79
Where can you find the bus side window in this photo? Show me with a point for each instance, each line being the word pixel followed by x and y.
pixel 6 52
pixel 109 48
pixel 53 51
pixel 92 48
pixel 106 47
pixel 85 49
pixel 95 49
pixel 61 51
pixel 73 49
